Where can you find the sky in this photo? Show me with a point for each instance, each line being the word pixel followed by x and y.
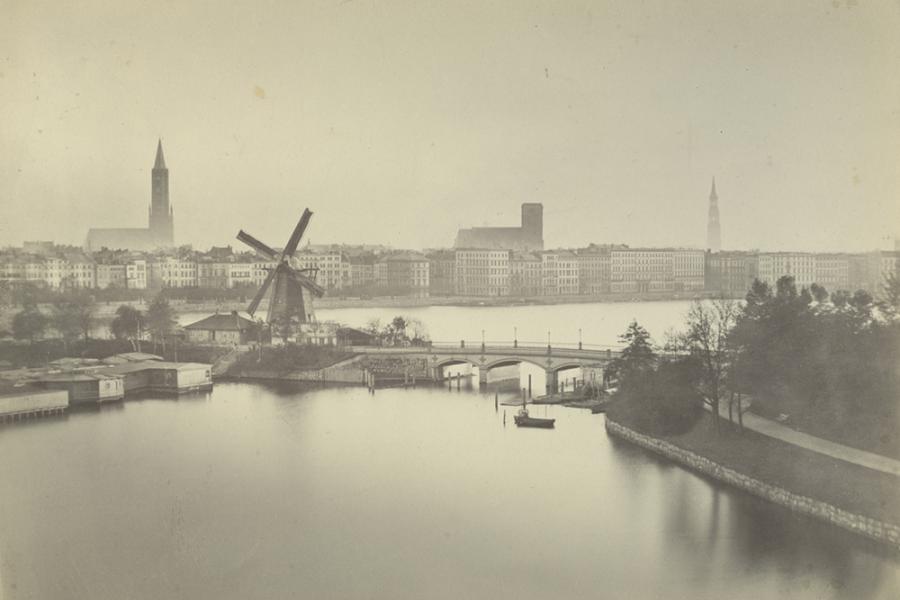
pixel 399 122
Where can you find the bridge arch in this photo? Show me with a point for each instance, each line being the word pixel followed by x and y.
pixel 566 365
pixel 450 361
pixel 513 360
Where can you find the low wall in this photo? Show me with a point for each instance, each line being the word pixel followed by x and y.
pixel 872 528
pixel 33 401
pixel 349 371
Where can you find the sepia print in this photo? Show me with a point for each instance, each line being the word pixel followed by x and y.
pixel 364 299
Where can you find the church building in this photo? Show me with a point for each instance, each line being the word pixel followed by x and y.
pixel 526 238
pixel 159 233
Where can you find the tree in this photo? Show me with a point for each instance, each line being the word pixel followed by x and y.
pixel 29 324
pixel 373 326
pixel 418 330
pixel 128 324
pixel 891 293
pixel 709 324
pixel 64 319
pixel 26 294
pixel 637 358
pixel 73 314
pixel 161 321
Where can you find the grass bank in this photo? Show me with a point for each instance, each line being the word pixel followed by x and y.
pixel 285 359
pixel 803 472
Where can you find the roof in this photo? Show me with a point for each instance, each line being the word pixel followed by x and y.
pixel 19 388
pixel 405 257
pixel 222 322
pixel 160 162
pixel 133 356
pixel 149 365
pixel 79 376
pixel 346 330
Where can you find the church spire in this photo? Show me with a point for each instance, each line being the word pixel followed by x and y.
pixel 160 160
pixel 713 231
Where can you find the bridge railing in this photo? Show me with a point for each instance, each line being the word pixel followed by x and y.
pixel 468 346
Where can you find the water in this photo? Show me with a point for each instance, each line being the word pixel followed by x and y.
pixel 600 323
pixel 264 491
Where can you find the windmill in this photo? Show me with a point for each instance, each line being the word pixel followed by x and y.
pixel 292 289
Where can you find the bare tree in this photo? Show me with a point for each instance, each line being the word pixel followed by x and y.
pixel 709 323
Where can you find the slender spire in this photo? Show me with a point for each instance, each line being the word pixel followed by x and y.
pixel 713 230
pixel 160 160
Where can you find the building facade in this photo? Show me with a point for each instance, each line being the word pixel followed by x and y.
pixel 482 272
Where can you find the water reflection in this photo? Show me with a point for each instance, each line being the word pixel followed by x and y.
pixel 276 491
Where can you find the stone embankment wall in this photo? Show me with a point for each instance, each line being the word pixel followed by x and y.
pixel 346 371
pixel 877 530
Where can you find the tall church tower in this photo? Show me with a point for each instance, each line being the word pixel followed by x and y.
pixel 161 218
pixel 713 234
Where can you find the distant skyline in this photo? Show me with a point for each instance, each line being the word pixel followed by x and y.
pixel 399 122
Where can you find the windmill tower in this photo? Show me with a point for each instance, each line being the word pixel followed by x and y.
pixel 291 300
pixel 713 234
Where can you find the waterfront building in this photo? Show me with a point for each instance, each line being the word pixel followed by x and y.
pixel 260 270
pixel 380 272
pixel 212 273
pixel 222 329
pixel 111 275
pixel 160 231
pixel 136 274
pixel 442 272
pixel 528 237
pixel 333 271
pixel 639 270
pixel 559 273
pixel 362 270
pixel 171 271
pixel 713 232
pixel 688 267
pixel 482 272
pixel 593 270
pixel 832 271
pixel 241 273
pixel 525 274
pixel 408 271
pixel 799 265
pixel 730 273
pixel 85 386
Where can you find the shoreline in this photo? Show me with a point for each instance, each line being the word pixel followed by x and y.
pixel 334 302
pixel 875 529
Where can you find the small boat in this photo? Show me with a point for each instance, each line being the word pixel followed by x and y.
pixel 523 420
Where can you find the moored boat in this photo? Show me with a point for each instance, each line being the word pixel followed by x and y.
pixel 524 420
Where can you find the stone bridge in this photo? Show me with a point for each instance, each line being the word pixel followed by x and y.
pixel 552 359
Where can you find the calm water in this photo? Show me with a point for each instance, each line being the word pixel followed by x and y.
pixel 601 323
pixel 255 491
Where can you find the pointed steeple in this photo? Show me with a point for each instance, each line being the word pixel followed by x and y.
pixel 160 160
pixel 713 230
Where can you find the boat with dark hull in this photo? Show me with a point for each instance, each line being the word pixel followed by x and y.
pixel 524 420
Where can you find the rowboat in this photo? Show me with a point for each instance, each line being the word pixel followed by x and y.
pixel 524 420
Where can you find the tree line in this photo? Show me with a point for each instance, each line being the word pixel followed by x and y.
pixel 827 362
pixel 72 316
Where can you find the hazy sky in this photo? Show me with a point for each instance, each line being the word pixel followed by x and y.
pixel 397 122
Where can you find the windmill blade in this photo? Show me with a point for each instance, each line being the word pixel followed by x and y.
pixel 291 246
pixel 308 283
pixel 256 245
pixel 261 293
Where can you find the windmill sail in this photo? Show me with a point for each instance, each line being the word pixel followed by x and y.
pixel 291 291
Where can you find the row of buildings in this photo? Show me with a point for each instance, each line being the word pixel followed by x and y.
pixel 353 270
